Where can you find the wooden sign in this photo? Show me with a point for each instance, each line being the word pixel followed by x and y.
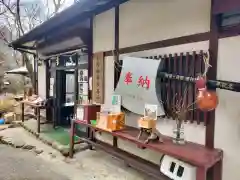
pixel 98 78
pixel 212 84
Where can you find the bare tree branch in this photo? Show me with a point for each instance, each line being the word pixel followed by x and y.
pixel 21 17
pixel 18 17
pixel 3 37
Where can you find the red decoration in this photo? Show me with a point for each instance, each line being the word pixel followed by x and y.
pixel 207 100
pixel 142 82
pixel 200 82
pixel 128 78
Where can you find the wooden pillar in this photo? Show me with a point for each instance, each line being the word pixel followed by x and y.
pixel 76 93
pixel 90 56
pixel 47 80
pixel 35 74
pixel 116 46
pixel 47 72
pixel 212 74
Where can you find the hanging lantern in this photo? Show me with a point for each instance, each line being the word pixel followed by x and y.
pixel 207 100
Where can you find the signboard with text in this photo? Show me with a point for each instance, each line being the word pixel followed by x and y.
pixel 136 85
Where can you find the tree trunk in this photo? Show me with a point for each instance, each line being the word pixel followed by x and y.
pixel 29 67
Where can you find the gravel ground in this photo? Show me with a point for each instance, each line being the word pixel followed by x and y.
pixel 17 164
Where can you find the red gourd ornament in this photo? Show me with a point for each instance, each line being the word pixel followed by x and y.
pixel 206 100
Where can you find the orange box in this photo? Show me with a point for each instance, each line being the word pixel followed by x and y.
pixel 111 122
pixel 116 121
pixel 101 120
pixel 146 123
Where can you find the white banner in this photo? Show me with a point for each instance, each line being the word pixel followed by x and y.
pixel 136 85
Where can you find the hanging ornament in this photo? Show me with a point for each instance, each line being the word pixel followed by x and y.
pixel 200 82
pixel 207 100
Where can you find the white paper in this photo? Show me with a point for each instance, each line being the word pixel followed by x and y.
pixel 83 88
pixel 83 75
pixel 134 94
pixel 116 103
pixel 51 80
pixel 51 92
pixel 90 83
pixel 83 99
pixel 51 86
pixel 80 113
pixel 150 110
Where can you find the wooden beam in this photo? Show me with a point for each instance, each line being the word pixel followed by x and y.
pixel 164 43
pixel 222 33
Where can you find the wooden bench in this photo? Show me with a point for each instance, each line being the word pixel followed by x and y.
pixel 207 161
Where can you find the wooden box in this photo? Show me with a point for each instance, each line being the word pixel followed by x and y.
pixel 147 123
pixel 111 122
pixel 89 112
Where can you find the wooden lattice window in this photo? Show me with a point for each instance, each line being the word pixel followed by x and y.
pixel 170 91
pixel 190 65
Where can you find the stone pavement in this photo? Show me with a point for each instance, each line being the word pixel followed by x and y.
pixel 86 165
pixel 22 165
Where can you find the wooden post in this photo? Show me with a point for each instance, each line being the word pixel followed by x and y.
pixel 38 119
pixel 116 58
pixel 212 73
pixel 36 74
pixel 116 47
pixel 76 84
pixel 90 57
pixel 22 107
pixel 71 147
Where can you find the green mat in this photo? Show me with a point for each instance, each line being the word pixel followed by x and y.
pixel 60 135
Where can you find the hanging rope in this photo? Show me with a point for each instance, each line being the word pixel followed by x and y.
pixel 206 64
